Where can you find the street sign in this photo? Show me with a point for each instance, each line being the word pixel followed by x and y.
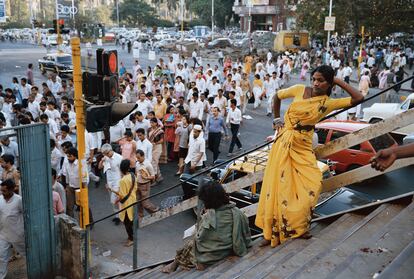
pixel 329 23
pixel 2 10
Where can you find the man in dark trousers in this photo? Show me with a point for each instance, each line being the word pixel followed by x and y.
pixel 215 125
pixel 234 117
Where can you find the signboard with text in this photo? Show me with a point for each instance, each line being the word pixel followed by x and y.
pixel 2 10
pixel 329 23
pixel 66 10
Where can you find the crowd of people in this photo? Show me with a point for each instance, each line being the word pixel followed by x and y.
pixel 181 111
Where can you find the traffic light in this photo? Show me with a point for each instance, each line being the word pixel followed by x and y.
pixel 101 89
pixel 61 24
pixel 55 26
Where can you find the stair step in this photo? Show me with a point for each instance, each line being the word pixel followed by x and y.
pixel 258 254
pixel 152 272
pixel 322 262
pixel 317 243
pixel 382 248
pixel 402 266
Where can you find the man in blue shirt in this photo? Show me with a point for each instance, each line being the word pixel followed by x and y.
pixel 215 126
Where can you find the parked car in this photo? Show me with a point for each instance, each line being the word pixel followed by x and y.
pixel 355 156
pixel 242 43
pixel 380 111
pixel 59 63
pixel 220 43
pixel 168 44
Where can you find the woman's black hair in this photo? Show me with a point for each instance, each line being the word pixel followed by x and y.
pixel 124 166
pixel 213 195
pixel 328 74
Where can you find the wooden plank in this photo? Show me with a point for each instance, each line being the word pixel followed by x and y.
pixel 250 210
pixel 387 125
pixel 360 174
pixel 192 202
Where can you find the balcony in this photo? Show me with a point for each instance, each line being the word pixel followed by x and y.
pixel 255 10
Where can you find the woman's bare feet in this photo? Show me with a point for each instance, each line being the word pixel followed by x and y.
pixel 264 243
pixel 200 267
pixel 170 268
pixel 306 235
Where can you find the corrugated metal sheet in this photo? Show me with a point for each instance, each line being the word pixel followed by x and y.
pixel 36 190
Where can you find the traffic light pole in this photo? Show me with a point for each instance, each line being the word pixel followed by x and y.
pixel 80 129
pixel 360 52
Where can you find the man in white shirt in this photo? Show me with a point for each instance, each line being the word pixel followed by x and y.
pixel 196 107
pixel 53 127
pixel 144 144
pixel 217 73
pixel 220 102
pixel 144 106
pixel 25 90
pixel 70 175
pixel 110 164
pixel 54 85
pixel 236 76
pixel 213 87
pixel 11 224
pixel 234 117
pixel 347 72
pixel 269 88
pixel 116 132
pixel 194 56
pixel 33 106
pixel 196 151
pixel 200 83
pixel 141 122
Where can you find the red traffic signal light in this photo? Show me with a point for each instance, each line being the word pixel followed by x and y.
pixel 107 62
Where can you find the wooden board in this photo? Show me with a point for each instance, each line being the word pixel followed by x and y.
pixel 360 174
pixel 373 131
pixel 192 202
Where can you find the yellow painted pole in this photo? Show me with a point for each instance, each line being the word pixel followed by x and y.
pixel 80 129
pixel 360 52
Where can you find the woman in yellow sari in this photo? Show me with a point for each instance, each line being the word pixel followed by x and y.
pixel 292 179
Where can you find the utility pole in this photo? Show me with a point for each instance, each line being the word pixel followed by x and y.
pixel 59 38
pixel 182 18
pixel 249 31
pixel 73 14
pixel 329 32
pixel 80 130
pixel 212 20
pixel 117 12
pixel 360 52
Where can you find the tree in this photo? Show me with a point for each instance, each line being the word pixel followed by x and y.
pixel 103 15
pixel 136 13
pixel 223 11
pixel 380 17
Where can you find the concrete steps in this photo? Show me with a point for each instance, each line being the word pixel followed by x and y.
pixel 379 242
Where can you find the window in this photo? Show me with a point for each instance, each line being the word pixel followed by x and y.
pixel 337 134
pixel 322 134
pixel 382 142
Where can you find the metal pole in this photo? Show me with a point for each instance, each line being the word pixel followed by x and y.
pixel 360 51
pixel 59 38
pixel 212 19
pixel 80 129
pixel 329 32
pixel 73 15
pixel 182 19
pixel 117 12
pixel 135 232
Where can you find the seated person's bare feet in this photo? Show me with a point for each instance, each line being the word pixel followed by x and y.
pixel 200 267
pixel 170 268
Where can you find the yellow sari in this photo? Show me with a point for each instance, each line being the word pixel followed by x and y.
pixel 292 179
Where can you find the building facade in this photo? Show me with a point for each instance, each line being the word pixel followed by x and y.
pixel 267 15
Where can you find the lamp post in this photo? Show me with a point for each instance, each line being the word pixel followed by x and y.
pixel 182 18
pixel 329 32
pixel 212 20
pixel 117 12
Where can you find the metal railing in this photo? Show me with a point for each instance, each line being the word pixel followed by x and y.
pixel 202 172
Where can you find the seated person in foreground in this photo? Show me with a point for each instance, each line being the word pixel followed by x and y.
pixel 223 231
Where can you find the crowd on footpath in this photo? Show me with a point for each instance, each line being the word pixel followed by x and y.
pixel 183 108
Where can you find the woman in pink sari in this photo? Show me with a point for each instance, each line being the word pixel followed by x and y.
pixel 305 68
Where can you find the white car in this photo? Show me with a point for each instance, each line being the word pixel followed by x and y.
pixel 380 111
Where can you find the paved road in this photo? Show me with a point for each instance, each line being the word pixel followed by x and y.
pixel 158 241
